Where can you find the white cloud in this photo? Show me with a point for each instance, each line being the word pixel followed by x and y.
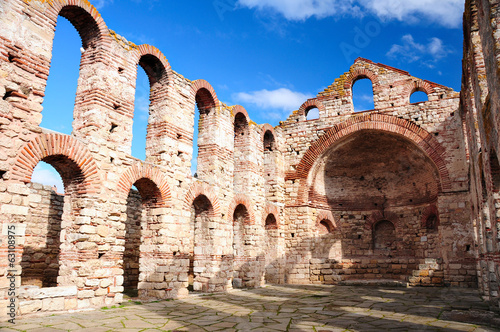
pixel 411 51
pixel 283 99
pixel 277 103
pixel 99 4
pixel 444 12
pixel 47 175
pixel 298 10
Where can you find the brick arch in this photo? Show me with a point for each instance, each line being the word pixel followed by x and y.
pixel 154 63
pixel 240 109
pixel 272 209
pixel 198 189
pixel 328 216
pixel 242 199
pixel 47 145
pixel 377 216
pixel 141 171
pixel 358 73
pixel 310 104
pixel 429 211
pixel 418 85
pixel 92 29
pixel 419 136
pixel 198 85
pixel 267 127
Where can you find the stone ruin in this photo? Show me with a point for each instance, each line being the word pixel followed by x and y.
pixel 407 193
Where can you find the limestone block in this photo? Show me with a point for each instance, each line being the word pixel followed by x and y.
pixel 14 209
pixel 55 304
pixel 34 292
pixel 70 304
pixel 84 294
pixel 26 307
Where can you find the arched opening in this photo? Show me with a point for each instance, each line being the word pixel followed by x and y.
pixel 269 142
pixel 270 169
pixel 202 134
pixel 271 222
pixel 418 96
pixel 143 197
pixel 362 95
pixel 150 104
pixel 371 170
pixel 47 175
pixel 312 113
pixel 325 227
pixel 384 237
pixel 367 176
pixel 495 172
pixel 272 269
pixel 202 245
pixel 49 210
pixel 60 92
pixel 241 151
pixel 431 223
pixel 325 245
pixel 63 80
pixel 241 242
pixel 141 114
pixel 133 231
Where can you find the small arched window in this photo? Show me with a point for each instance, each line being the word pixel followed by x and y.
pixel 362 95
pixel 271 222
pixel 269 143
pixel 312 113
pixel 418 97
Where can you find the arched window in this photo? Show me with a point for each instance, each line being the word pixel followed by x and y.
pixel 271 222
pixel 269 142
pixel 62 82
pixel 141 114
pixel 312 113
pixel 362 95
pixel 418 96
pixel 202 136
pixel 241 147
pixel 151 102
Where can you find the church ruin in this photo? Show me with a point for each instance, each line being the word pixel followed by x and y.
pixel 405 192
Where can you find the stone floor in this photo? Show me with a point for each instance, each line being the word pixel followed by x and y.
pixel 287 308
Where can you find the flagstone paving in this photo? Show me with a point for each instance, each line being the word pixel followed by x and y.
pixel 287 308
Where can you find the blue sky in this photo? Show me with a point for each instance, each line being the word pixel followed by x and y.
pixel 267 55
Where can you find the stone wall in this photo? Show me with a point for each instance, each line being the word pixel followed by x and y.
pixel 479 112
pixel 304 202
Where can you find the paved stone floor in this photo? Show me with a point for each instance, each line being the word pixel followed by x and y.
pixel 286 308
